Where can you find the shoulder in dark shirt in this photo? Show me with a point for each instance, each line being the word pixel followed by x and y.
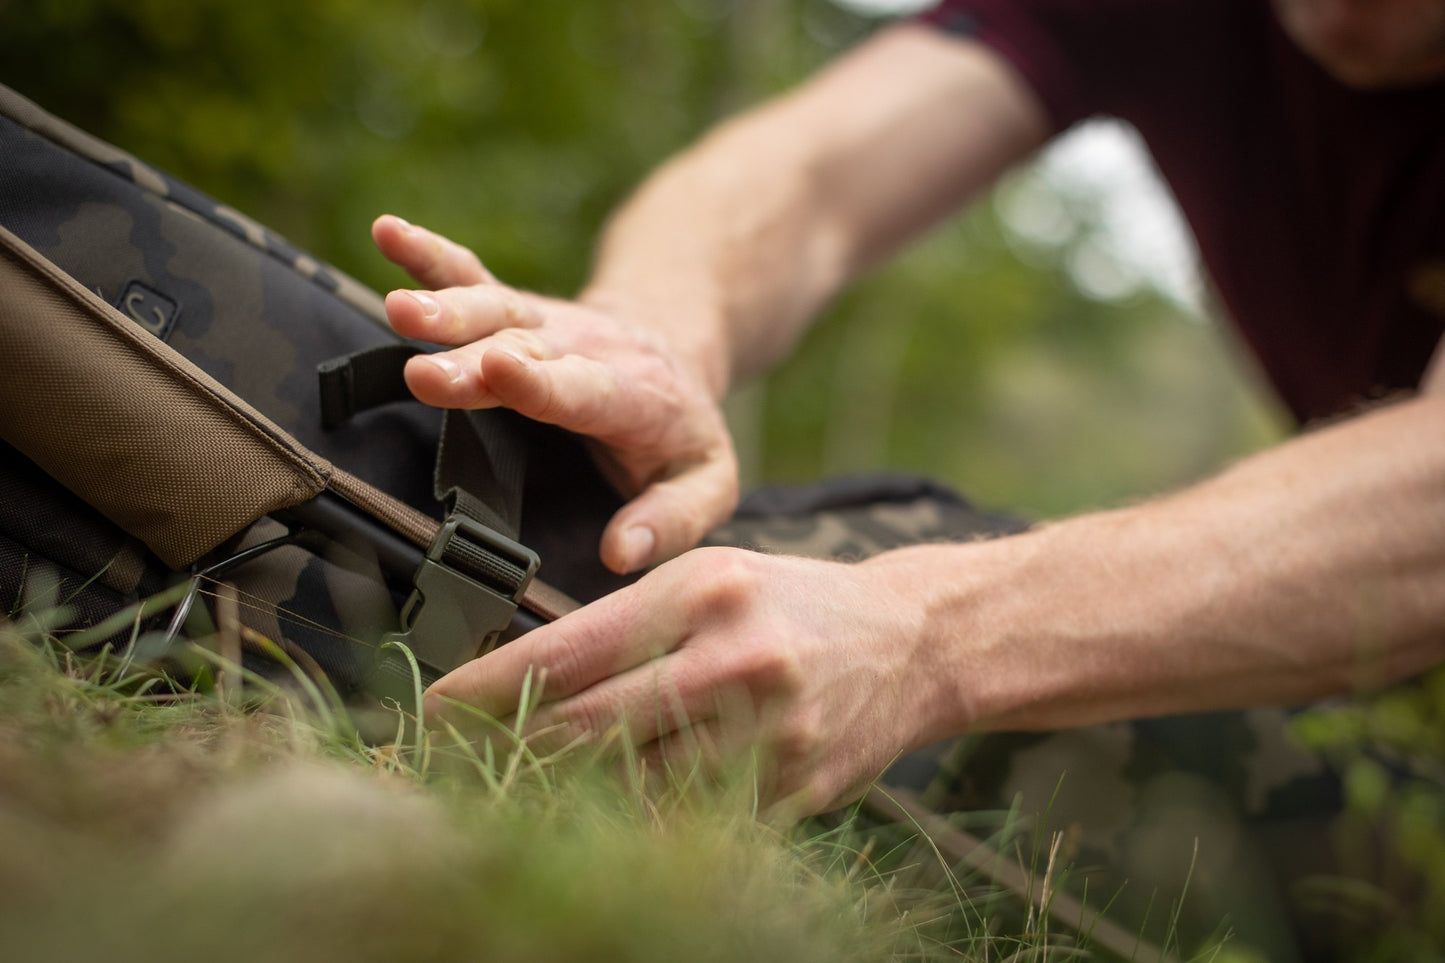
pixel 1319 209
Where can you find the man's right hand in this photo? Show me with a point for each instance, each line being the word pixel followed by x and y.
pixel 658 433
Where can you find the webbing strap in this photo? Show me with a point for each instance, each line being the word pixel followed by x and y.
pixel 467 590
pixel 482 563
pixel 419 529
pixel 480 469
pixel 475 575
pixel 359 382
pixel 480 466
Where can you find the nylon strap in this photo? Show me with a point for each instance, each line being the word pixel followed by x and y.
pixel 480 469
pixel 480 466
pixel 359 382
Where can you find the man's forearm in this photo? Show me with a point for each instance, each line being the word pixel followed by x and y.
pixel 731 248
pixel 1314 568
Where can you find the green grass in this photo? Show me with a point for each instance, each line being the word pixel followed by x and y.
pixel 141 820
pixel 232 818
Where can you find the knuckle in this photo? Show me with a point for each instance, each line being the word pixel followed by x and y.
pixel 583 716
pixel 565 663
pixel 799 738
pixel 550 405
pixel 730 578
pixel 471 264
pixel 774 668
pixel 523 340
pixel 517 311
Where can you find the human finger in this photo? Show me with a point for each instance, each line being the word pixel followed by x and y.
pixel 684 751
pixel 612 635
pixel 459 315
pixel 587 397
pixel 594 398
pixel 574 392
pixel 453 379
pixel 672 515
pixel 433 260
pixel 651 701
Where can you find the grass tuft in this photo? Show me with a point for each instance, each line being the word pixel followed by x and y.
pixel 142 819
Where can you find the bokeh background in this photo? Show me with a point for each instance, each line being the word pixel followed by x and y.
pixel 1048 352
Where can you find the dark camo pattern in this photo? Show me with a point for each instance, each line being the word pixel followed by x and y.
pixel 852 518
pixel 259 316
pixel 249 309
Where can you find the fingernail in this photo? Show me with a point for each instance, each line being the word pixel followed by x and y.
pixel 428 304
pixel 637 546
pixel 405 224
pixel 450 368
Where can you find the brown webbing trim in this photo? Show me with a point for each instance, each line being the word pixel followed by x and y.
pixel 419 528
pixel 548 602
pixel 128 424
pixel 414 526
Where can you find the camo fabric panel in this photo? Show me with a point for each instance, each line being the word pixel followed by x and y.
pixel 849 519
pixel 1132 801
pixel 246 308
pixel 76 373
pixel 258 316
pixel 238 301
pixel 42 523
pixel 154 181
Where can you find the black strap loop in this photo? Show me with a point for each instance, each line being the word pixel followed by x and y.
pixel 358 382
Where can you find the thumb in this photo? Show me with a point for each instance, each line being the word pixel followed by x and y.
pixel 671 516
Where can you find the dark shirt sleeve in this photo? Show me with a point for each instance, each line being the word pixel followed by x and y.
pixel 1081 57
pixel 1316 206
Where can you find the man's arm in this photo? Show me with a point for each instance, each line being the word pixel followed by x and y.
pixel 733 247
pixel 714 268
pixel 1313 568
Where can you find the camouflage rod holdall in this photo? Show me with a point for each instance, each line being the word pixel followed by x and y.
pixel 185 392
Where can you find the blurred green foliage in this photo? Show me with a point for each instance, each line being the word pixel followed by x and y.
pixel 515 127
pixel 1389 901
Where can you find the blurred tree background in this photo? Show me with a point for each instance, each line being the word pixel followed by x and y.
pixel 515 127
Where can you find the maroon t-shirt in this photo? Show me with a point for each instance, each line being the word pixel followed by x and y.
pixel 1319 210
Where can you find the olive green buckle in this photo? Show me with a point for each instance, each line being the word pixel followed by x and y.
pixel 466 591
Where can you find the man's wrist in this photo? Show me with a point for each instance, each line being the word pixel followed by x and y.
pixel 1024 632
pixel 955 604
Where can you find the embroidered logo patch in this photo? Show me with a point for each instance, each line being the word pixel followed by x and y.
pixel 149 308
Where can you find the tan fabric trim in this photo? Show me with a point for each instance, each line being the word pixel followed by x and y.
pixel 548 602
pixel 419 529
pixel 414 526
pixel 131 426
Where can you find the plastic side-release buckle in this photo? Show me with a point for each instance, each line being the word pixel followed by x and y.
pixel 466 592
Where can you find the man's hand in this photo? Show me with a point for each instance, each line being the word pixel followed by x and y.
pixel 659 435
pixel 820 665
